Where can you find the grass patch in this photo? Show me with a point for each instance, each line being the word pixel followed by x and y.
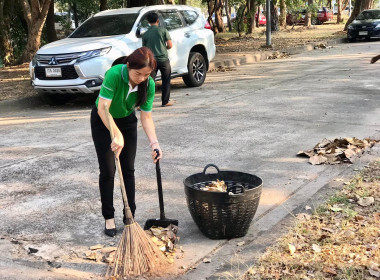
pixel 283 39
pixel 340 240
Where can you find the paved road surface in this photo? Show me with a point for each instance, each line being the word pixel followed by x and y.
pixel 254 119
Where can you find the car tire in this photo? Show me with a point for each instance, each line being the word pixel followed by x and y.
pixel 314 21
pixel 197 69
pixel 55 99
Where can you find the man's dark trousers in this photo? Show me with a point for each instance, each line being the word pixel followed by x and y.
pixel 165 69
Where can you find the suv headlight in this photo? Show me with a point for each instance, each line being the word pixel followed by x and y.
pixel 350 27
pixel 34 60
pixel 93 53
pixel 378 25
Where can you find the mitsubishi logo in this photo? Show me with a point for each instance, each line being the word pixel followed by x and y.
pixel 53 61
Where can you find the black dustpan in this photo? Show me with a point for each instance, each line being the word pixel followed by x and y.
pixel 162 221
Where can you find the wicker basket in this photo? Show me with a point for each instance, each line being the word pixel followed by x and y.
pixel 223 215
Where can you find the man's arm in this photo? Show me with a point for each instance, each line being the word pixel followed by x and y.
pixel 169 44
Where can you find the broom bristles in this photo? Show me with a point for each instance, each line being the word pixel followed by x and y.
pixel 136 254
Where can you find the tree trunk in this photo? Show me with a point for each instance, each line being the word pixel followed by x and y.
pixel 50 24
pixel 308 14
pixel 6 50
pixel 339 14
pixel 182 2
pixel 171 2
pixel 103 5
pixel 211 10
pixel 252 20
pixel 360 5
pixel 273 17
pixel 35 15
pixel 75 14
pixel 258 13
pixel 227 8
pixel 283 13
pixel 218 16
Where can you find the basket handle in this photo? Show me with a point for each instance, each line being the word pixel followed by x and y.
pixel 237 186
pixel 208 165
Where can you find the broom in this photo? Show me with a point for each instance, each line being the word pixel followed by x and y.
pixel 136 253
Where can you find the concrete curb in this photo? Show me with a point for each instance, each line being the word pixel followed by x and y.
pixel 20 104
pixel 260 56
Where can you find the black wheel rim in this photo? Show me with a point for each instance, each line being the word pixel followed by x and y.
pixel 198 70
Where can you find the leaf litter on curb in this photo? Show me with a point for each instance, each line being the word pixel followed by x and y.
pixel 340 150
pixel 339 241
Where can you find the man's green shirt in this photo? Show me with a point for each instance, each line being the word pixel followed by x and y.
pixel 116 87
pixel 155 39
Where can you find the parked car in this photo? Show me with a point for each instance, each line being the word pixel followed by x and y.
pixel 262 19
pixel 324 14
pixel 298 17
pixel 366 25
pixel 77 64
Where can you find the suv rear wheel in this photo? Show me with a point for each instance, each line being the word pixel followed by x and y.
pixel 196 70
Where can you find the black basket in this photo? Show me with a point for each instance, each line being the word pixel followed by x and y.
pixel 223 215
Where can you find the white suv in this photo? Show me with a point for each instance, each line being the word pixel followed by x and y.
pixel 77 64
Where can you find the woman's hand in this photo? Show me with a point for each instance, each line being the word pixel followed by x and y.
pixel 117 145
pixel 155 148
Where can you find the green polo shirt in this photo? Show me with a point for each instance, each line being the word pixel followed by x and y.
pixel 155 39
pixel 116 87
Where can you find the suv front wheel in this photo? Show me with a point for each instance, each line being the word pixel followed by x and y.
pixel 196 70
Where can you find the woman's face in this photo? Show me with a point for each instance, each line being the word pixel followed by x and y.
pixel 136 76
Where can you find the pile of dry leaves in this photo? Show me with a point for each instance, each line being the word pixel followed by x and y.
pixel 337 151
pixel 215 186
pixel 165 239
pixel 278 54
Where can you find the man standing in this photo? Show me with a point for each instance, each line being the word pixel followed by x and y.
pixel 159 41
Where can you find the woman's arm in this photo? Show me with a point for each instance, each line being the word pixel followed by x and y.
pixel 150 131
pixel 118 141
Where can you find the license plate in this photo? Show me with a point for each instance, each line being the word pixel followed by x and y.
pixel 363 32
pixel 53 72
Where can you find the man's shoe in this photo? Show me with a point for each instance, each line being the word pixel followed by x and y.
pixel 170 103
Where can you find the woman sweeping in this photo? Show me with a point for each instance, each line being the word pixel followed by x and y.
pixel 125 87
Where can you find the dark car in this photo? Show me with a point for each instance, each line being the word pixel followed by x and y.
pixel 366 25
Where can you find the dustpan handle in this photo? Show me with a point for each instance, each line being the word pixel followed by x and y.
pixel 128 213
pixel 159 187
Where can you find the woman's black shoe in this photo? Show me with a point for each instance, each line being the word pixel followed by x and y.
pixel 110 232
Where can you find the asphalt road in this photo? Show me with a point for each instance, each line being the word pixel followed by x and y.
pixel 253 119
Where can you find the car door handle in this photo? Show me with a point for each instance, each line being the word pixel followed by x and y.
pixel 187 35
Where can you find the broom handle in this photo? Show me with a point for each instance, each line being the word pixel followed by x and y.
pixel 159 187
pixel 128 213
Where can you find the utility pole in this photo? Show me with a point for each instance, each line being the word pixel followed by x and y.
pixel 268 24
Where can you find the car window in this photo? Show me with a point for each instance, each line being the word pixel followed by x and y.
pixel 105 26
pixel 369 15
pixel 189 16
pixel 171 19
pixel 143 26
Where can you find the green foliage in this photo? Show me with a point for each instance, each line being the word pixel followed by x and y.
pixel 19 34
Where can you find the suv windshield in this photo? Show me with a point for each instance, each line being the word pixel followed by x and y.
pixel 105 26
pixel 369 15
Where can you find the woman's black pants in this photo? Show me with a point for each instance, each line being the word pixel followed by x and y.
pixel 106 159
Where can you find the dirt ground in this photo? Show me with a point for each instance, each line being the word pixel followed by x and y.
pixel 15 80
